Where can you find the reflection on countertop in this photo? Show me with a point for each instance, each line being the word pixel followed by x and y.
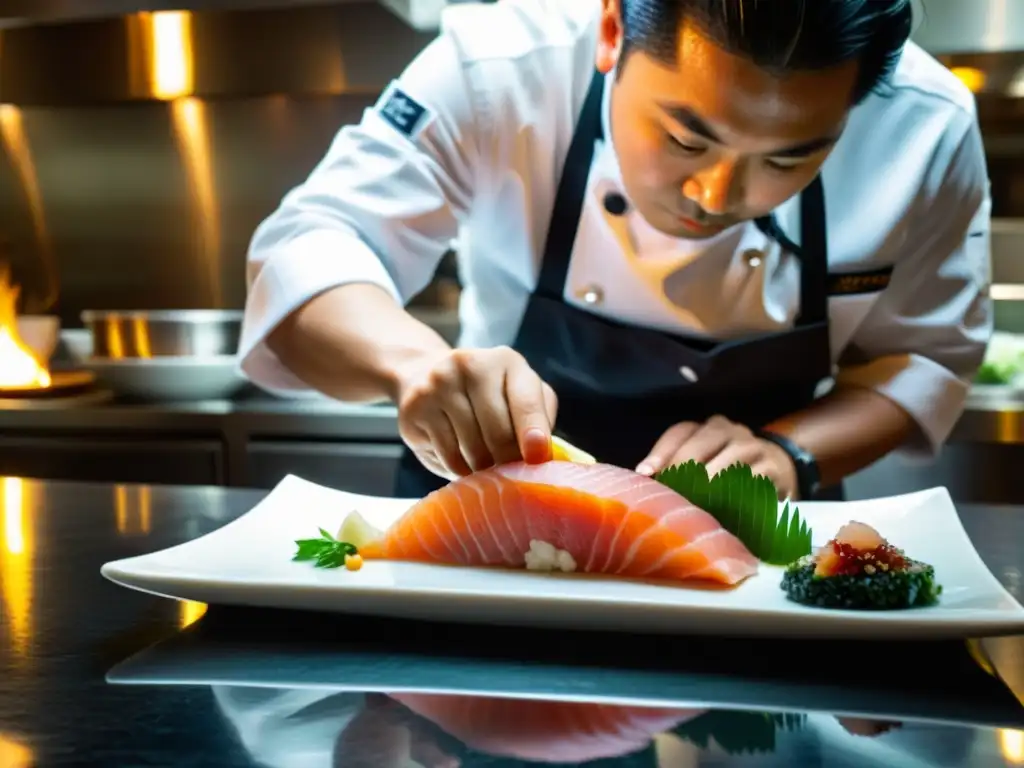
pixel 377 691
pixel 347 728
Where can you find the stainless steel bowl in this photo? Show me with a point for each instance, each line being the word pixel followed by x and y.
pixel 198 333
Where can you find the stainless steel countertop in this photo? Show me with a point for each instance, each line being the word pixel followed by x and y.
pixel 258 415
pixel 986 419
pixel 67 628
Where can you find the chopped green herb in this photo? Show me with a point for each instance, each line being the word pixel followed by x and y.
pixel 996 373
pixel 327 551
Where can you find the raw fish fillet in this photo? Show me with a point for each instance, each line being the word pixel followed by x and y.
pixel 545 731
pixel 609 519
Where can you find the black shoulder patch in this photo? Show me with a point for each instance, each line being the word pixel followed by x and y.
pixel 404 113
pixel 853 283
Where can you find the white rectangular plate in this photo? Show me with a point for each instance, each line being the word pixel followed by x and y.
pixel 249 562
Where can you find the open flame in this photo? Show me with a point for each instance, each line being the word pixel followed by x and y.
pixel 19 368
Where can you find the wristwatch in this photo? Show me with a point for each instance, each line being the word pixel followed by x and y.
pixel 808 478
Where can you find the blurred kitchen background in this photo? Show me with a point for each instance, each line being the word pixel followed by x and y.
pixel 142 141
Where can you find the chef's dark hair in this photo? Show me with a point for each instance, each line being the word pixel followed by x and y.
pixel 779 35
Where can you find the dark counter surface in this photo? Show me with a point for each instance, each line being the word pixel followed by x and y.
pixel 95 675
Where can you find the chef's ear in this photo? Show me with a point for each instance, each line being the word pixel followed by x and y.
pixel 609 42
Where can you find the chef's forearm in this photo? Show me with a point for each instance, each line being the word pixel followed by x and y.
pixel 353 343
pixel 847 430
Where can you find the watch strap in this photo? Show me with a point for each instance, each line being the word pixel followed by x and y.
pixel 808 477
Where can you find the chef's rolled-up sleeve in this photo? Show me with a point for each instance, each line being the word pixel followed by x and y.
pixel 925 338
pixel 382 207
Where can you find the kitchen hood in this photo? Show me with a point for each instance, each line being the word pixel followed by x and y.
pixel 969 26
pixel 941 26
pixel 422 15
pixel 21 12
pixel 347 48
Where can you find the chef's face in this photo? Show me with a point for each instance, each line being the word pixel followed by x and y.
pixel 714 140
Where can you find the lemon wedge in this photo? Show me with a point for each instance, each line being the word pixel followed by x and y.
pixel 564 451
pixel 357 531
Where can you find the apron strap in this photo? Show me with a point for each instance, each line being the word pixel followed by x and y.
pixel 812 252
pixel 572 191
pixel 813 256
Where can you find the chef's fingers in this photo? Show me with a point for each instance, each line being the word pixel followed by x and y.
pixel 468 430
pixel 666 447
pixel 550 404
pixel 415 434
pixel 486 393
pixel 739 452
pixel 703 445
pixel 432 463
pixel 767 468
pixel 524 392
pixel 425 428
pixel 445 445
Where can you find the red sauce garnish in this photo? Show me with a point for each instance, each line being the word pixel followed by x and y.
pixel 840 559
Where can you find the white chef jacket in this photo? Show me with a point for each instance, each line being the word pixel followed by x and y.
pixel 466 147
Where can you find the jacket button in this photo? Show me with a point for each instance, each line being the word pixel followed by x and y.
pixel 592 294
pixel 615 204
pixel 753 258
pixel 688 373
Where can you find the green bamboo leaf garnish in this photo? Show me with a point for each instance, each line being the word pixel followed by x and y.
pixel 327 551
pixel 747 506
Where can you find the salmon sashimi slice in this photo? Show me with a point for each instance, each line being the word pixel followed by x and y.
pixel 559 515
pixel 545 731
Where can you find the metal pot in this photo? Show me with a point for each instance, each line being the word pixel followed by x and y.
pixel 199 333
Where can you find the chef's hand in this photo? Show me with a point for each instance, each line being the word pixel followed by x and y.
pixel 469 409
pixel 719 443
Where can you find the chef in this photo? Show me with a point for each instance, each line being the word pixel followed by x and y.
pixel 721 230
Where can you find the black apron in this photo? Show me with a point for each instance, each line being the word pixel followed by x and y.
pixel 621 386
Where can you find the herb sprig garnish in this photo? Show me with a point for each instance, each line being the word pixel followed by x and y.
pixel 327 551
pixel 746 505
